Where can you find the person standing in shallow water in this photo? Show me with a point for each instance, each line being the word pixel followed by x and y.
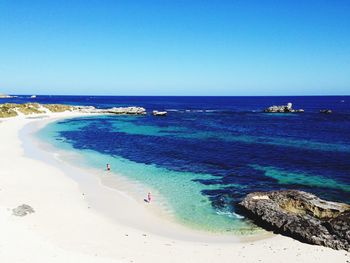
pixel 149 197
pixel 108 167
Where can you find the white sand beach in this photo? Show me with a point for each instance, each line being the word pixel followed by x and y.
pixel 70 222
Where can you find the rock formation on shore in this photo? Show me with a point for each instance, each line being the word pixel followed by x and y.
pixel 115 110
pixel 22 210
pixel 283 109
pixel 302 216
pixel 127 110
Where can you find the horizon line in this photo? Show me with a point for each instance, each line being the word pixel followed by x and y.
pixel 92 95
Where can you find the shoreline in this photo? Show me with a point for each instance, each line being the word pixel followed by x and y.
pixel 100 187
pixel 64 224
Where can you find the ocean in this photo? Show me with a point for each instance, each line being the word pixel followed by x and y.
pixel 209 152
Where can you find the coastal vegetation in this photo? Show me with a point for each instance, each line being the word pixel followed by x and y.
pixel 58 107
pixel 14 109
pixel 7 110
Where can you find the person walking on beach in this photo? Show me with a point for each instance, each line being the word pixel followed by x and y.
pixel 149 197
pixel 108 167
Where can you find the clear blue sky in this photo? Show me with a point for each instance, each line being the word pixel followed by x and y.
pixel 236 47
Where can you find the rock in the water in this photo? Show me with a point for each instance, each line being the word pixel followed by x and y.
pixel 22 210
pixel 159 113
pixel 327 111
pixel 302 216
pixel 282 109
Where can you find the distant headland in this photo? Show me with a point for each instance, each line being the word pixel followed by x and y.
pixel 5 96
pixel 14 109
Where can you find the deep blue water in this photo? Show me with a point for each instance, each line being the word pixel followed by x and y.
pixel 225 146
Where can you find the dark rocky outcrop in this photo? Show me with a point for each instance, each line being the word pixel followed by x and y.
pixel 327 111
pixel 302 216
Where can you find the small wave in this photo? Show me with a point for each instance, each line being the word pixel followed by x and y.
pixel 220 111
pixel 189 110
pixel 57 156
pixel 198 110
pixel 229 214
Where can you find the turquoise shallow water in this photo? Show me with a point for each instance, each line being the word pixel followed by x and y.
pixel 301 178
pixel 180 191
pixel 204 160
